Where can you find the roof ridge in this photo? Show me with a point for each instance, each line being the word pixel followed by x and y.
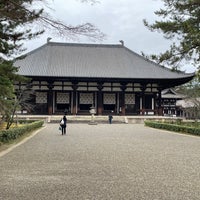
pixel 69 44
pixel 84 44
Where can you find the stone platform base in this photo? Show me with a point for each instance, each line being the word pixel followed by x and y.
pixel 97 119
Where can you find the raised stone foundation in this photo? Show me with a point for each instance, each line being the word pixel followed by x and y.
pixel 98 119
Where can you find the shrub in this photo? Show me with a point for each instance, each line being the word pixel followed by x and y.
pixel 194 130
pixel 14 133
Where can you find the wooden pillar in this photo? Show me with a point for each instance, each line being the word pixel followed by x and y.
pixel 99 103
pixel 50 98
pixel 50 102
pixel 143 103
pixel 74 106
pixel 122 98
pixel 100 99
pixel 160 110
pixel 143 88
pixel 122 102
pixel 154 105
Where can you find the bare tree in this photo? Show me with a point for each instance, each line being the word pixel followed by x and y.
pixel 21 20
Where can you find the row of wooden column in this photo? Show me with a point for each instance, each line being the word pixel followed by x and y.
pixel 100 100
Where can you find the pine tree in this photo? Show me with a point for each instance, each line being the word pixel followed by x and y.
pixel 181 24
pixel 17 19
pixel 7 79
pixel 14 16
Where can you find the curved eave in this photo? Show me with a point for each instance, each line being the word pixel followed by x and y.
pixel 168 83
pixel 163 83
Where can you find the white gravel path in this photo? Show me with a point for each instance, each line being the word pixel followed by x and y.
pixel 102 162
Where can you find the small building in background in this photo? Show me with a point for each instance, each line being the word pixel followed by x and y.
pixel 190 107
pixel 169 102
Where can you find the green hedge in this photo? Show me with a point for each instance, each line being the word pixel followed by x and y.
pixel 174 127
pixel 24 121
pixel 14 133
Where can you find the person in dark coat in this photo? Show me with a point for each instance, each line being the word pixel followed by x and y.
pixel 110 117
pixel 63 124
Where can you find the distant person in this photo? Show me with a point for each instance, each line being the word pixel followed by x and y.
pixel 110 117
pixel 63 124
pixel 65 111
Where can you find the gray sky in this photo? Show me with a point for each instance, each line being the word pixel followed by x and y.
pixel 118 19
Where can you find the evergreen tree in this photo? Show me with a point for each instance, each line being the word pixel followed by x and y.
pixel 6 86
pixel 17 20
pixel 181 24
pixel 7 78
pixel 13 18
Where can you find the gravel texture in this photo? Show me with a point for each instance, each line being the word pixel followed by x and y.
pixel 93 162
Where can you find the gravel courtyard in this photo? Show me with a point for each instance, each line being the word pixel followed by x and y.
pixel 102 162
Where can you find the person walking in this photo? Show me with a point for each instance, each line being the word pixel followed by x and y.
pixel 110 117
pixel 63 124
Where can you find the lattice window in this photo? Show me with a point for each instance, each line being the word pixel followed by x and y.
pixel 86 98
pixel 129 99
pixel 62 98
pixel 109 99
pixel 41 97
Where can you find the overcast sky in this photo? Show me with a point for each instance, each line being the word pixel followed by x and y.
pixel 118 19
